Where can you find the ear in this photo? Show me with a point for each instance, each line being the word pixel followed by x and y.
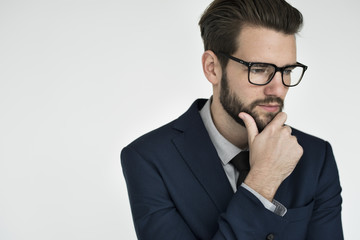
pixel 211 67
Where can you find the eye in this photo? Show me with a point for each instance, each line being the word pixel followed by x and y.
pixel 261 69
pixel 258 70
pixel 288 71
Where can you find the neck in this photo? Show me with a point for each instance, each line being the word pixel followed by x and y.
pixel 227 126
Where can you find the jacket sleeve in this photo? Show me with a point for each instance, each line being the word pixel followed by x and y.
pixel 155 215
pixel 325 222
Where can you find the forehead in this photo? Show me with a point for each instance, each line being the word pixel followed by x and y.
pixel 259 44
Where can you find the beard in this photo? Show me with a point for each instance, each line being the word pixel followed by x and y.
pixel 233 105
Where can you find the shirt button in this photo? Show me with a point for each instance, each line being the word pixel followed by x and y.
pixel 270 236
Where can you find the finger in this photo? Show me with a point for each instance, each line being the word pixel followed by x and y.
pixel 288 129
pixel 251 127
pixel 278 121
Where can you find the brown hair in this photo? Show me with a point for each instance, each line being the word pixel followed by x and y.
pixel 222 21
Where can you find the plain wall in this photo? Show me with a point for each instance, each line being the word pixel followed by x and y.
pixel 81 79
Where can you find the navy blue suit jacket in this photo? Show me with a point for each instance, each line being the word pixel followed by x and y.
pixel 178 189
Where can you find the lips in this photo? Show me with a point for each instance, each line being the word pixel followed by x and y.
pixel 270 107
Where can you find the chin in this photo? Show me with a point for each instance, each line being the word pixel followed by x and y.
pixel 261 123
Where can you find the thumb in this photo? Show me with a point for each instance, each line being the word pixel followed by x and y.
pixel 251 127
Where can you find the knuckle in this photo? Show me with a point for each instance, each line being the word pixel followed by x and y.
pixel 294 138
pixel 287 129
pixel 298 147
pixel 301 150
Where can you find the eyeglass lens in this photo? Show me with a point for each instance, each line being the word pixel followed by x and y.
pixel 263 73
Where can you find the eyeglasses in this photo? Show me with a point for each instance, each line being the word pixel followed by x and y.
pixel 262 73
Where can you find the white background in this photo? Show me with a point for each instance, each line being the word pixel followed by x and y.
pixel 80 79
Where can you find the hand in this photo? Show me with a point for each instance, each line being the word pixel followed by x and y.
pixel 274 154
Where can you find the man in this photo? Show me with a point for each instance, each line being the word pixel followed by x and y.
pixel 184 179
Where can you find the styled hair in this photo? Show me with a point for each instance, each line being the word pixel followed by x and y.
pixel 223 20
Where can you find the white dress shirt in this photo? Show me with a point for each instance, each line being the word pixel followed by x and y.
pixel 227 151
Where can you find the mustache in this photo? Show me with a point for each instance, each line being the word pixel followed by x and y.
pixel 268 100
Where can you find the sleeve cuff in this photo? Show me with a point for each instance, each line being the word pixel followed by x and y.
pixel 274 206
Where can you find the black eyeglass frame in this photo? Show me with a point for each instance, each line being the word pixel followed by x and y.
pixel 277 69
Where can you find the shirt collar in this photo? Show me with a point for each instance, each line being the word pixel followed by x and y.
pixel 225 149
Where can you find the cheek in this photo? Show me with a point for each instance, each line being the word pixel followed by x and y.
pixel 237 75
pixel 285 93
pixel 250 93
pixel 240 85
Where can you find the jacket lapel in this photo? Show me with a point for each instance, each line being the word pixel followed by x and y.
pixel 198 152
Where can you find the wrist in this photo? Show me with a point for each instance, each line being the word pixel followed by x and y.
pixel 265 184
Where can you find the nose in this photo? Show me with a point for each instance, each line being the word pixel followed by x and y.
pixel 275 87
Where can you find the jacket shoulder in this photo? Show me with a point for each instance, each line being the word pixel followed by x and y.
pixel 160 137
pixel 155 138
pixel 306 139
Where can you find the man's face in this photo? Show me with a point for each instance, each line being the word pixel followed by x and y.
pixel 261 102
